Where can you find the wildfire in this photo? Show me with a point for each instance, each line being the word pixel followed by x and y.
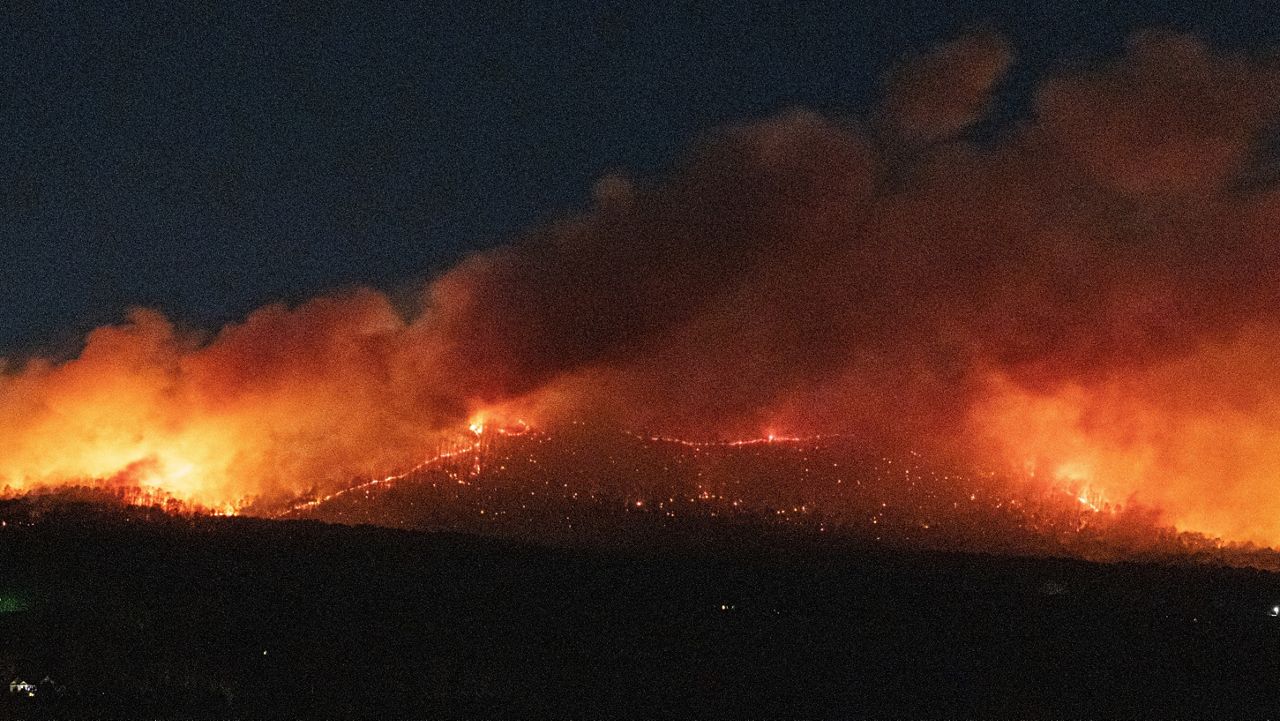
pixel 171 479
pixel 485 422
pixel 766 439
pixel 1089 300
pixel 430 462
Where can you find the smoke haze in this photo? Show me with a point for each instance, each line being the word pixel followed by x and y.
pixel 1089 296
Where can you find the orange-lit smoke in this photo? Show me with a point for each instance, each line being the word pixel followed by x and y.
pixel 1089 296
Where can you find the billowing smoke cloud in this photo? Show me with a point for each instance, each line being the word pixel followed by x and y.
pixel 1091 296
pixel 942 93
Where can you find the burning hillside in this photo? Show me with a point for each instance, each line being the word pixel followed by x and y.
pixel 1085 299
pixel 600 488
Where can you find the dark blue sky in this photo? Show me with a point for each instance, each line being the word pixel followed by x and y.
pixel 206 158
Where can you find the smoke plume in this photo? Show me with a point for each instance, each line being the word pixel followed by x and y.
pixel 1089 296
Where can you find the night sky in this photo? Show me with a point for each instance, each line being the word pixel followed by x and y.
pixel 208 158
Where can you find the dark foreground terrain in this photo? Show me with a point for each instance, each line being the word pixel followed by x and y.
pixel 131 613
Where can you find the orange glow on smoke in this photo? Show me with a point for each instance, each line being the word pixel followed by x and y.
pixel 285 400
pixel 1086 302
pixel 1192 438
pixel 1197 439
